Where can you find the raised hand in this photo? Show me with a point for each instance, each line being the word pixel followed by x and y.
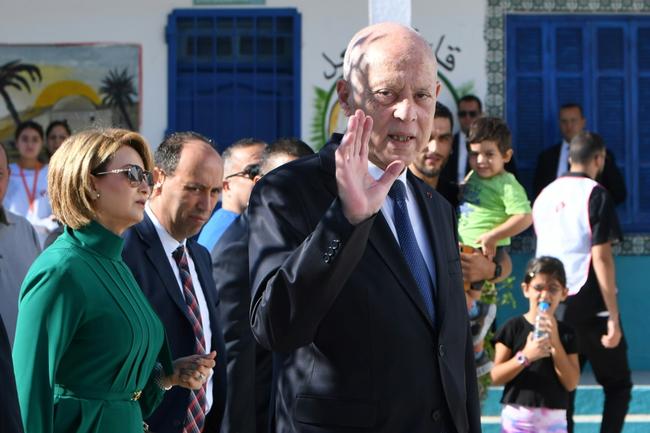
pixel 361 195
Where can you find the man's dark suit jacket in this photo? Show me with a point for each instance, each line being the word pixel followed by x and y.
pixel 249 365
pixel 362 353
pixel 10 420
pixel 610 178
pixel 450 170
pixel 144 254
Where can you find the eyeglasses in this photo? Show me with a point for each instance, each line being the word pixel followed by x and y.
pixel 464 113
pixel 550 289
pixel 134 173
pixel 250 171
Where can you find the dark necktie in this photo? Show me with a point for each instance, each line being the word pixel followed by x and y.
pixel 409 246
pixel 197 405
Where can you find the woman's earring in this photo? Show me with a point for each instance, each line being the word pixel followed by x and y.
pixel 97 196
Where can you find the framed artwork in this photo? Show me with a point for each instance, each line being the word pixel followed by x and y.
pixel 88 85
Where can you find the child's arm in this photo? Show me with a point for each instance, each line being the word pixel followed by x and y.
pixel 511 227
pixel 506 367
pixel 566 366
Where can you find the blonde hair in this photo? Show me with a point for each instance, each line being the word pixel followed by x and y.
pixel 68 181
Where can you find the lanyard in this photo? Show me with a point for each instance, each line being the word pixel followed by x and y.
pixel 31 196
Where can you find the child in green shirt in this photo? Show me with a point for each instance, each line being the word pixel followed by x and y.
pixel 494 207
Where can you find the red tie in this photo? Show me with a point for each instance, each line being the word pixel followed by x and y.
pixel 195 417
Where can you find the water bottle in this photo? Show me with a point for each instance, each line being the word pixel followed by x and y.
pixel 541 308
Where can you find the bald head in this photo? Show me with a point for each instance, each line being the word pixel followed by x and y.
pixel 379 36
pixel 389 72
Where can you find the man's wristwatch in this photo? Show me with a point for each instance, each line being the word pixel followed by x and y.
pixel 522 359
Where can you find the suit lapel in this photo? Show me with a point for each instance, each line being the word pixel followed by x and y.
pixel 156 255
pixel 381 237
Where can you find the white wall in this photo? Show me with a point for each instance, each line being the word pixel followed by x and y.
pixel 327 26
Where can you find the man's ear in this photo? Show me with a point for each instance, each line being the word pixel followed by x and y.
pixel 226 186
pixel 508 156
pixel 344 94
pixel 158 178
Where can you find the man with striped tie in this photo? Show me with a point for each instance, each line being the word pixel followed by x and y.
pixel 174 273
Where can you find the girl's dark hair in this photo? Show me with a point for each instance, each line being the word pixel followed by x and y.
pixel 53 124
pixel 545 265
pixel 30 124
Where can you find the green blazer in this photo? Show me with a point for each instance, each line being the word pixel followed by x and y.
pixel 87 339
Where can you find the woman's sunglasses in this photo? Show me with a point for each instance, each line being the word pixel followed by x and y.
pixel 134 173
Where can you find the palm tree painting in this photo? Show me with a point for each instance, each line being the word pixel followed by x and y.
pixel 119 92
pixel 17 75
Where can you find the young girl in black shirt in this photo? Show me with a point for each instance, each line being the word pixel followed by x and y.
pixel 538 374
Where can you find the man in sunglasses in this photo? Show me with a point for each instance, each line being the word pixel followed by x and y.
pixel 469 109
pixel 241 162
pixel 250 366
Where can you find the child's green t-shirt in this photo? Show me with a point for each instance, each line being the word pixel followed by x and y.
pixel 487 203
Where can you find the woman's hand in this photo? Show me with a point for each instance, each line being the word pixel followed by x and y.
pixel 191 371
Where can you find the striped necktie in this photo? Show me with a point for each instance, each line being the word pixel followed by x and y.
pixel 195 416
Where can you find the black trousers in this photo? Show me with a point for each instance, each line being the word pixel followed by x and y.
pixel 611 370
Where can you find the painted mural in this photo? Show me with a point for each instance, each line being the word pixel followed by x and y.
pixel 327 114
pixel 89 85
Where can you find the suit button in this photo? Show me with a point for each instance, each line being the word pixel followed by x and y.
pixel 441 350
pixel 435 415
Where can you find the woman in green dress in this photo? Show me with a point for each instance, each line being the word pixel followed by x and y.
pixel 90 352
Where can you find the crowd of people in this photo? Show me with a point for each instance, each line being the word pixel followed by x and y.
pixel 337 291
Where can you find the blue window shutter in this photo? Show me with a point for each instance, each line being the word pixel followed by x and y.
pixel 643 117
pixel 611 99
pixel 611 50
pixel 529 118
pixel 569 70
pixel 568 49
pixel 234 73
pixel 643 49
pixel 611 119
pixel 525 94
pixel 642 157
pixel 529 52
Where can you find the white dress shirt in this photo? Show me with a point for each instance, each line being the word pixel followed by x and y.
pixel 563 161
pixel 169 245
pixel 417 222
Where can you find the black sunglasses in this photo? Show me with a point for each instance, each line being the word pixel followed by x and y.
pixel 134 173
pixel 250 171
pixel 464 113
